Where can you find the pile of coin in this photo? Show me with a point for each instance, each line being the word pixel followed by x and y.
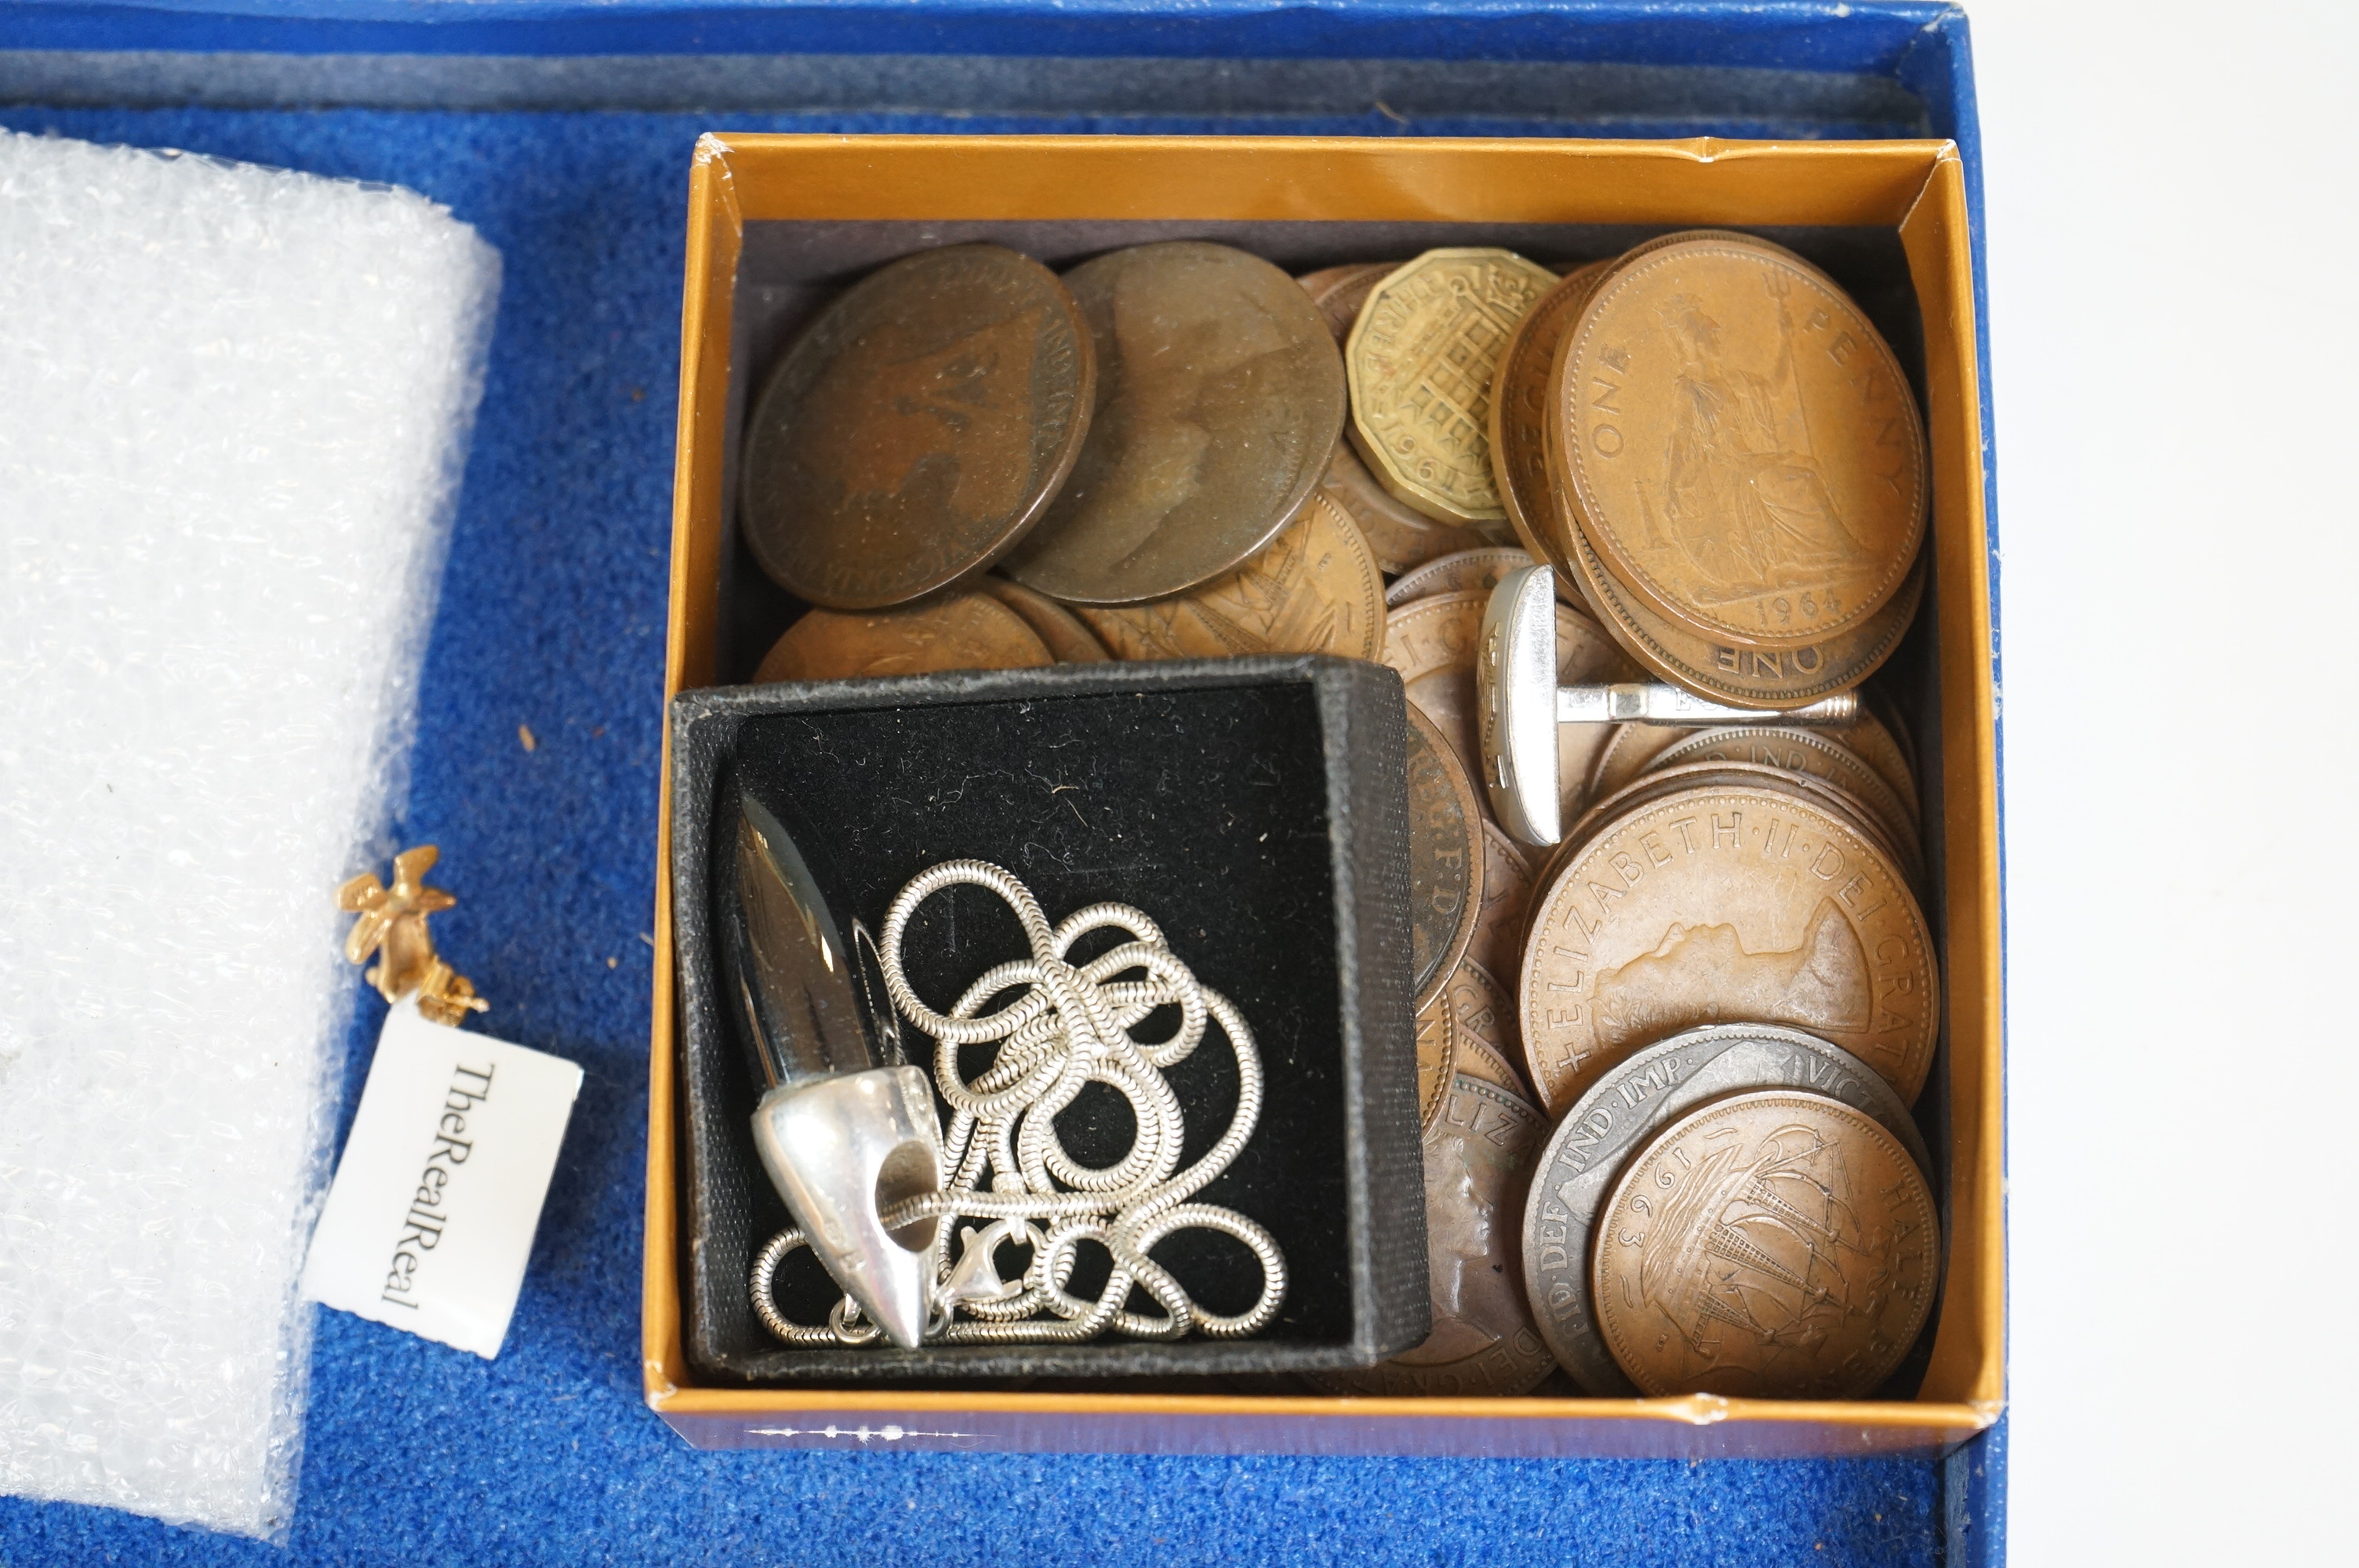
pixel 1701 1020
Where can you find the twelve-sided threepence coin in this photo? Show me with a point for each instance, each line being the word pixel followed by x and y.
pixel 1650 1091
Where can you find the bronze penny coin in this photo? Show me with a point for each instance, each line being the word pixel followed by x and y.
pixel 1627 749
pixel 1724 671
pixel 959 631
pixel 1315 590
pixel 1437 1056
pixel 1799 751
pixel 1487 1044
pixel 1420 360
pixel 1467 571
pixel 1595 1137
pixel 1498 941
pixel 1445 859
pixel 1631 749
pixel 1521 407
pixel 1772 1245
pixel 1400 537
pixel 918 428
pixel 1483 1343
pixel 1055 625
pixel 1339 291
pixel 1725 902
pixel 1743 450
pixel 1220 397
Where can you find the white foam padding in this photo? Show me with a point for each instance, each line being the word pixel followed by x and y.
pixel 233 406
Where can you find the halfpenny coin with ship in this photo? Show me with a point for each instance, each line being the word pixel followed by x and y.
pixel 1445 859
pixel 1717 903
pixel 1773 1245
pixel 916 428
pixel 1483 1343
pixel 1421 359
pixel 1597 1135
pixel 1315 590
pixel 1743 450
pixel 1219 397
pixel 958 631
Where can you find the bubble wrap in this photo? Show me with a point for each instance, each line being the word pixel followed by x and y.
pixel 233 406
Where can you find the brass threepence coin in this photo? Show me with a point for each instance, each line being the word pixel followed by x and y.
pixel 1315 590
pixel 1616 1118
pixel 1339 292
pixel 1774 1245
pixel 1055 625
pixel 1437 1056
pixel 1445 859
pixel 1726 671
pixel 959 631
pixel 1799 751
pixel 1715 904
pixel 1219 397
pixel 1521 407
pixel 1420 360
pixel 1742 449
pixel 1468 571
pixel 1483 1344
pixel 918 428
pixel 1498 941
pixel 1400 537
pixel 1486 1014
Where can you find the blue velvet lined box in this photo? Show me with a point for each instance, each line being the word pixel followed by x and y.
pixel 563 133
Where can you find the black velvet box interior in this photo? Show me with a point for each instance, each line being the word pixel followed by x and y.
pixel 1254 808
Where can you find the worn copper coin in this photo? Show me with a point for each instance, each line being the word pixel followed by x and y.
pixel 957 632
pixel 1437 1056
pixel 1773 1245
pixel 1716 904
pixel 1800 751
pixel 1220 397
pixel 1055 625
pixel 1483 1344
pixel 1631 749
pixel 1400 537
pixel 1315 590
pixel 1487 1046
pixel 1445 858
pixel 1881 746
pixel 1339 291
pixel 1742 448
pixel 1466 571
pixel 1498 940
pixel 1595 1136
pixel 918 428
pixel 1421 359
pixel 1521 407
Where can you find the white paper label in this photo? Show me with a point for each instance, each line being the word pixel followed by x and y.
pixel 429 1222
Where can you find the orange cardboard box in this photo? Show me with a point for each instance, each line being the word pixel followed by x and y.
pixel 784 190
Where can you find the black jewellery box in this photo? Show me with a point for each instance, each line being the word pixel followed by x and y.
pixel 1256 809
